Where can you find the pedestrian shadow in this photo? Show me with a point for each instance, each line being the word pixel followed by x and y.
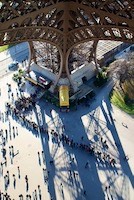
pixel 87 179
pixel 47 156
pixel 39 159
pixel 27 186
pixel 79 178
pixel 14 183
pixel 125 166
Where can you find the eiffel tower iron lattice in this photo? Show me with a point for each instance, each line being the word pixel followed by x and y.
pixel 66 23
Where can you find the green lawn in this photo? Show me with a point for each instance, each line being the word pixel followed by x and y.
pixel 5 47
pixel 118 100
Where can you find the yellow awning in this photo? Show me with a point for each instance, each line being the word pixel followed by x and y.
pixel 31 80
pixel 64 95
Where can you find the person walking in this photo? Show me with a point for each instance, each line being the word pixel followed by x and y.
pixel 61 185
pixel 85 192
pixel 18 172
pixel 86 165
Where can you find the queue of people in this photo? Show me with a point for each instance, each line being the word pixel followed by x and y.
pixel 15 110
pixel 90 148
pixel 20 117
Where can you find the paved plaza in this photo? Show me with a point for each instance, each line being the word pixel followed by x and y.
pixel 55 163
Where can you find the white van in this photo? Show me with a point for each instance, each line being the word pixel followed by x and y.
pixel 43 81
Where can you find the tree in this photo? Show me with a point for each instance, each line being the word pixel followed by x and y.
pixel 123 71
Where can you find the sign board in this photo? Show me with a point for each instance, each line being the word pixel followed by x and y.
pixel 64 95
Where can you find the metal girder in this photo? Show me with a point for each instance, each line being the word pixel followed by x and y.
pixel 66 18
pixel 66 24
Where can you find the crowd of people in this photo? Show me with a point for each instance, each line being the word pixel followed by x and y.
pixel 8 152
pixel 20 108
pixel 8 155
pixel 90 148
pixel 24 103
pixel 20 117
pixel 15 110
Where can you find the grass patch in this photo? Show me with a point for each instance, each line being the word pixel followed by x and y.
pixel 5 47
pixel 117 99
pixel 101 79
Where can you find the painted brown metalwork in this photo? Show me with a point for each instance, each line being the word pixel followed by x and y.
pixel 66 23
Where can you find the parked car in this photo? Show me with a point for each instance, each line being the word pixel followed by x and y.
pixel 13 66
pixel 42 80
